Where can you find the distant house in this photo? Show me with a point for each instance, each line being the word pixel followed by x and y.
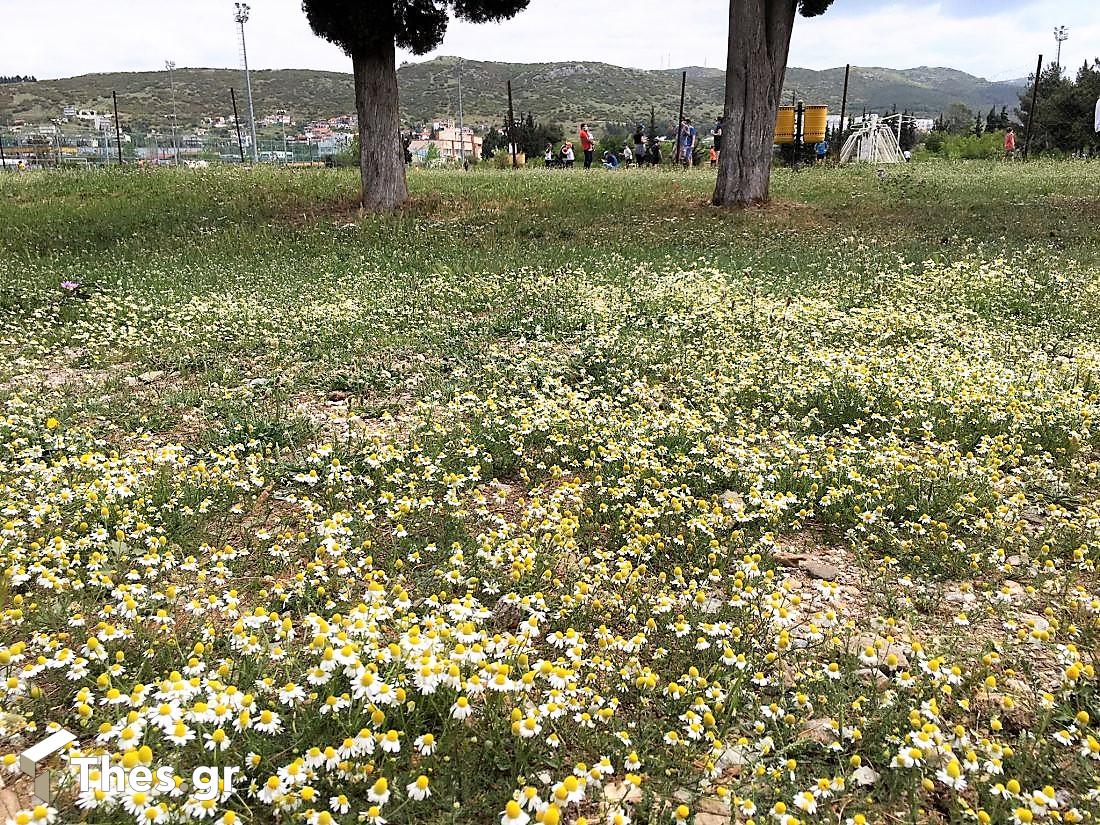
pixel 279 118
pixel 452 145
pixel 91 117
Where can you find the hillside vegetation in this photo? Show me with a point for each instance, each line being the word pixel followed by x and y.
pixel 564 92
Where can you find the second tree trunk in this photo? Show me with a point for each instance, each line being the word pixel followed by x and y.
pixel 381 153
pixel 759 38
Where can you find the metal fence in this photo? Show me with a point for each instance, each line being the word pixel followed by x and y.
pixel 36 150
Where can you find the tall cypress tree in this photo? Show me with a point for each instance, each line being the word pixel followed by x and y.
pixel 369 31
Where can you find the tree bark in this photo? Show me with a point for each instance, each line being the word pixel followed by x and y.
pixel 759 39
pixel 381 155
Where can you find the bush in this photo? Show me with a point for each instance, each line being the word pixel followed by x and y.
pixel 965 147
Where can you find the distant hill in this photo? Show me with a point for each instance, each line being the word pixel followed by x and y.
pixel 564 92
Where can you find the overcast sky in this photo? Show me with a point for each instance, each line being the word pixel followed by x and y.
pixel 997 39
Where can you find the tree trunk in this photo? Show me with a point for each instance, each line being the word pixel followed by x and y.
pixel 759 38
pixel 381 154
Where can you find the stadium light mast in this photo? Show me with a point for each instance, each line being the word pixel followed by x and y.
pixel 1061 35
pixel 170 65
pixel 242 17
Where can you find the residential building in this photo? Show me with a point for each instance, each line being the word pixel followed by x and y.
pixel 452 145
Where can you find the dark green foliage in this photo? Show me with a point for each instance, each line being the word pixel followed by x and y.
pixel 360 26
pixel 494 140
pixel 1064 114
pixel 532 136
pixel 992 120
pixel 908 132
pixel 958 119
pixel 812 8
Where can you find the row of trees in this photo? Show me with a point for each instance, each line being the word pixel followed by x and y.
pixel 370 31
pixel 16 78
pixel 530 135
pixel 1063 119
pixel 1064 114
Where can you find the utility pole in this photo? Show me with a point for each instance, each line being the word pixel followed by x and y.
pixel 512 127
pixel 118 131
pixel 461 134
pixel 1061 35
pixel 1034 103
pixel 843 110
pixel 170 65
pixel 680 119
pixel 237 123
pixel 242 18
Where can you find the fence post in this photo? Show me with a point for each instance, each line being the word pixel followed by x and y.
pixel 237 123
pixel 118 131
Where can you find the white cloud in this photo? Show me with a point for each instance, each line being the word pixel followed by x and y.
pixel 65 37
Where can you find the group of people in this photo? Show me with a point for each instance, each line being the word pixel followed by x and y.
pixel 640 150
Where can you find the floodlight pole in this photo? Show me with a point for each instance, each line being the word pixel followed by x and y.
pixel 242 18
pixel 1061 35
pixel 170 65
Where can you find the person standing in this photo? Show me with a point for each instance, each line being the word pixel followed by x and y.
pixel 716 133
pixel 1010 143
pixel 548 155
pixel 587 145
pixel 687 141
pixel 821 149
pixel 567 154
pixel 639 145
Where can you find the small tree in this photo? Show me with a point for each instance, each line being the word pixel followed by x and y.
pixel 992 120
pixel 958 119
pixel 369 31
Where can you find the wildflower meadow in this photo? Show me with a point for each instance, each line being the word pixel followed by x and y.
pixel 553 498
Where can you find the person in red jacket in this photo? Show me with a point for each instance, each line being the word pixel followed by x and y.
pixel 1010 143
pixel 587 145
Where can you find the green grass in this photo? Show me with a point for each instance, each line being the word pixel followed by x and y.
pixel 590 401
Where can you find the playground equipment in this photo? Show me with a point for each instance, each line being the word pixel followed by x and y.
pixel 875 140
pixel 800 124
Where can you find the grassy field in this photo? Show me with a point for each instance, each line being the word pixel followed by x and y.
pixel 558 497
